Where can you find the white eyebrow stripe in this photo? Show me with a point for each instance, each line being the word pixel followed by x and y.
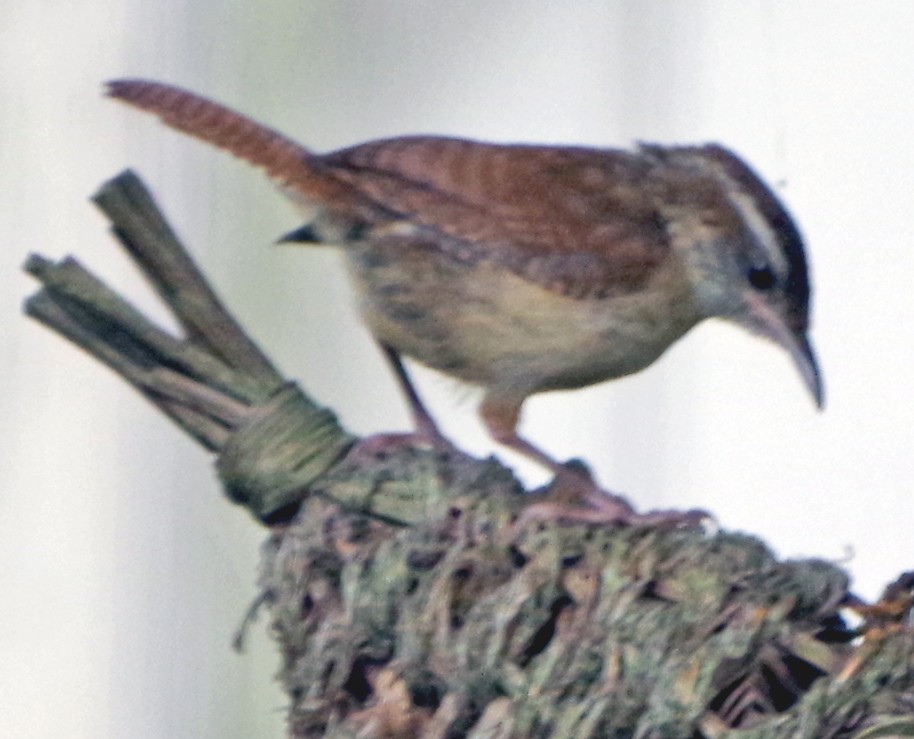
pixel 759 226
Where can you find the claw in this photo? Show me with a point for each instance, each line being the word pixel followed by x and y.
pixel 574 496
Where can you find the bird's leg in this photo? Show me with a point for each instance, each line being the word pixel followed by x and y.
pixel 426 430
pixel 573 494
pixel 422 420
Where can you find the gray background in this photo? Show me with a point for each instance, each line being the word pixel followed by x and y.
pixel 124 574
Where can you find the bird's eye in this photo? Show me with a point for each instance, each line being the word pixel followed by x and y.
pixel 761 278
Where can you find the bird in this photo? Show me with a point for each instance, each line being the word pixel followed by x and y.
pixel 521 268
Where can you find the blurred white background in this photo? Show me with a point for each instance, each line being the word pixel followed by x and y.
pixel 124 573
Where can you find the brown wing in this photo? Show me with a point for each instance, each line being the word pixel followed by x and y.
pixel 574 220
pixel 577 221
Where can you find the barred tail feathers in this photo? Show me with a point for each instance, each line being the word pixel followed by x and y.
pixel 286 162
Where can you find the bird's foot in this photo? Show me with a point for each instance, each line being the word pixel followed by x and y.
pixel 574 496
pixel 385 444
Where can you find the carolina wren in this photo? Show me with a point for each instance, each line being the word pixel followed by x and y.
pixel 523 269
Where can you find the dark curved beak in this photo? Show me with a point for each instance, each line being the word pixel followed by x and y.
pixel 804 358
pixel 768 322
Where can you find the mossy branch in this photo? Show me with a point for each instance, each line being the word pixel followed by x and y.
pixel 410 598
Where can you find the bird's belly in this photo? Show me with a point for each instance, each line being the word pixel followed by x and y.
pixel 484 325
